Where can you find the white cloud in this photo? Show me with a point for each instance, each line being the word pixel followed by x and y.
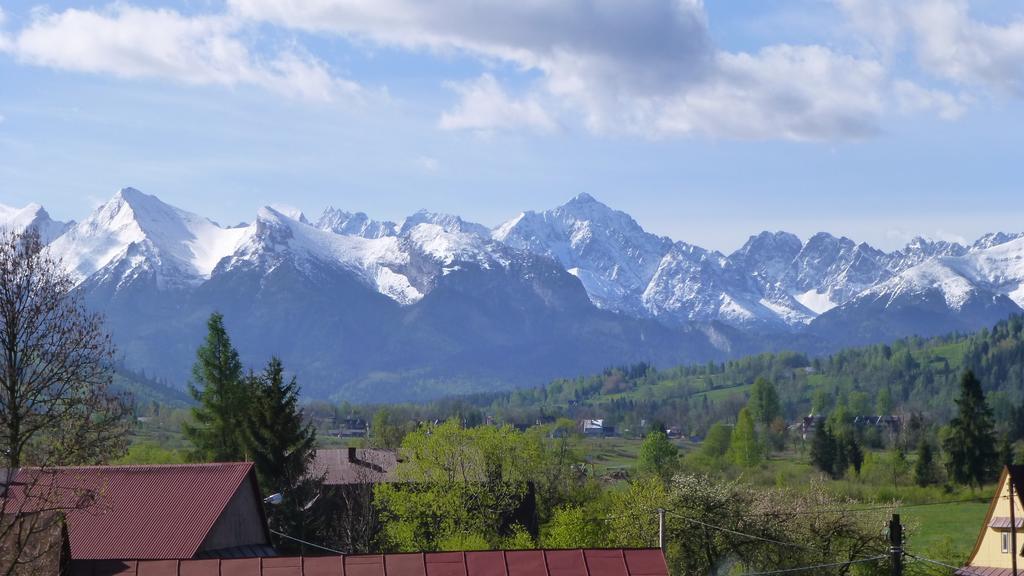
pixel 791 92
pixel 913 98
pixel 945 40
pixel 131 42
pixel 485 107
pixel 952 45
pixel 646 67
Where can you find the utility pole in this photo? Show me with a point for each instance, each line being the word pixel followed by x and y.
pixel 661 530
pixel 896 545
pixel 1013 528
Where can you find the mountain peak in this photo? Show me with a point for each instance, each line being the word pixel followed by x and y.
pixel 583 198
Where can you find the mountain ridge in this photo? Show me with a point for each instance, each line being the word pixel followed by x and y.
pixel 440 299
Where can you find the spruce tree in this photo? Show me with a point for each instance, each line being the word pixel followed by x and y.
pixel 281 443
pixel 971 444
pixel 823 449
pixel 217 387
pixel 283 446
pixel 924 467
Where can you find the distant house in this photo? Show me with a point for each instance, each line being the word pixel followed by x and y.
pixel 165 512
pixel 642 562
pixel 890 424
pixel 354 428
pixel 993 551
pixel 596 428
pixel 808 424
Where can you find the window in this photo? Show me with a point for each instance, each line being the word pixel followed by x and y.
pixel 1006 542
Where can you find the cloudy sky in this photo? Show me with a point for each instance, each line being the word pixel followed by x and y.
pixel 878 119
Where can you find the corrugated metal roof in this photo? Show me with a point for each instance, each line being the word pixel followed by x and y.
pixel 983 571
pixel 646 562
pixel 1003 522
pixel 140 512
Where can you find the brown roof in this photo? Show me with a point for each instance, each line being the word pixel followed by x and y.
pixel 648 562
pixel 140 511
pixel 1003 522
pixel 1016 473
pixel 983 571
pixel 355 465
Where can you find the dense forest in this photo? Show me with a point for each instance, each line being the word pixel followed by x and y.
pixel 912 376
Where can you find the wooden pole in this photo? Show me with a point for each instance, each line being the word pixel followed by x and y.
pixel 896 545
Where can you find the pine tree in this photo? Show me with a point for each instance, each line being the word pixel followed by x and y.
pixel 218 388
pixel 971 444
pixel 854 454
pixel 924 467
pixel 745 448
pixel 823 449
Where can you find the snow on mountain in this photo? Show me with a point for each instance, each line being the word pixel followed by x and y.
pixel 185 245
pixel 941 294
pixel 773 279
pixel 606 249
pixel 32 216
pixel 995 239
pixel 447 222
pixel 354 224
pixel 1000 267
pixel 378 262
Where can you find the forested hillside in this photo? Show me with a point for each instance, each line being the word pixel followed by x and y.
pixel 912 375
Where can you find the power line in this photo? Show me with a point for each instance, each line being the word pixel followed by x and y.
pixel 871 508
pixel 745 535
pixel 937 563
pixel 816 567
pixel 283 535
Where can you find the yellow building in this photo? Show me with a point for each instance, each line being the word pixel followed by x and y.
pixel 993 552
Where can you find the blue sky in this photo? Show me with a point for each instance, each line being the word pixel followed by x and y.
pixel 708 122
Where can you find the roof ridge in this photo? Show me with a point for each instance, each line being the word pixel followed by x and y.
pixel 146 466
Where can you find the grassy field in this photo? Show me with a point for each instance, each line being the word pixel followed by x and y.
pixel 945 532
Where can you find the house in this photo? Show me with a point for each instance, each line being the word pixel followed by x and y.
pixel 994 550
pixel 642 562
pixel 354 428
pixel 890 424
pixel 355 466
pixel 808 424
pixel 596 428
pixel 150 512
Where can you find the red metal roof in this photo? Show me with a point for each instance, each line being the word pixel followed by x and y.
pixel 141 512
pixel 650 562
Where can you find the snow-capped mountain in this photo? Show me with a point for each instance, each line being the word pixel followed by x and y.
pixel 32 216
pixel 180 247
pixel 437 299
pixel 607 250
pixel 354 224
